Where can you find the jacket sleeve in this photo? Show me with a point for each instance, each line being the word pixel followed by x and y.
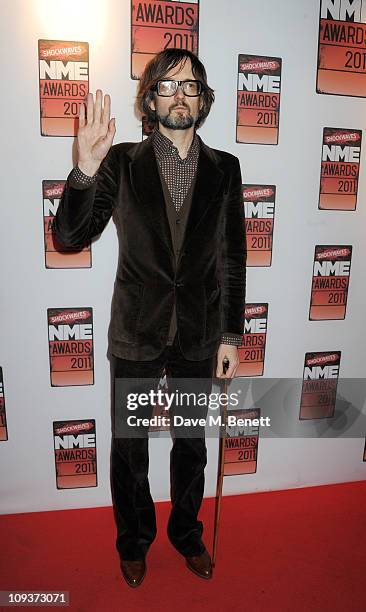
pixel 84 211
pixel 233 257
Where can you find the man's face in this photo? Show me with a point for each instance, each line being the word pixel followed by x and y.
pixel 178 112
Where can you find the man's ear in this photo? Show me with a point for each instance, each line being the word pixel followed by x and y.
pixel 152 103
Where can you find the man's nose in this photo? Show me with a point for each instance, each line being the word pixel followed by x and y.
pixel 179 93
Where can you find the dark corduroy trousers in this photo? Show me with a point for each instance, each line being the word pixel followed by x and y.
pixel 133 505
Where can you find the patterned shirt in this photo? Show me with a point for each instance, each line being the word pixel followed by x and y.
pixel 177 172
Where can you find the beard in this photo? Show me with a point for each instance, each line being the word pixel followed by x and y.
pixel 178 121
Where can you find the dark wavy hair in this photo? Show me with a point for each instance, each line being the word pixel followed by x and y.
pixel 156 70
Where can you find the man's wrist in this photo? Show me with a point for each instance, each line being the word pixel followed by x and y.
pixel 79 180
pixel 88 168
pixel 232 339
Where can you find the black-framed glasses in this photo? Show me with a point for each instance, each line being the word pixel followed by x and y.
pixel 168 87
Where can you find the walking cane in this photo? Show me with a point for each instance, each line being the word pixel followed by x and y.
pixel 220 471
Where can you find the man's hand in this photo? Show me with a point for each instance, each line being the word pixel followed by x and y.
pixel 96 132
pixel 231 352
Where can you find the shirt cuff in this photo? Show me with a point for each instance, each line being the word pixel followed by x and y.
pixel 233 339
pixel 79 180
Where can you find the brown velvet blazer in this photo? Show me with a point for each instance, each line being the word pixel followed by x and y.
pixel 208 281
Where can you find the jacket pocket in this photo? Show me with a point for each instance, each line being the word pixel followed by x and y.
pixel 126 310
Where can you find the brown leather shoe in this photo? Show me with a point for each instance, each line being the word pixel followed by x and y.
pixel 200 565
pixel 133 571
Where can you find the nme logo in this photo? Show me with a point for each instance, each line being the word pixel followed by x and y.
pixel 344 10
pixel 255 326
pixel 329 268
pixel 79 441
pixel 256 82
pixel 57 69
pixel 339 153
pixel 321 372
pixel 67 332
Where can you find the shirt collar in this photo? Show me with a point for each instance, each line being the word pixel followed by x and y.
pixel 164 146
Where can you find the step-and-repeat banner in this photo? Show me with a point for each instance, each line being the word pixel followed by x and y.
pixel 290 85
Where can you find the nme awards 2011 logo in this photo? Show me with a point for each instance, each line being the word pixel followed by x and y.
pixel 319 387
pixel 70 339
pixel 63 85
pixel 259 212
pixel 252 350
pixel 161 24
pixel 331 274
pixel 241 444
pixel 342 48
pixel 258 99
pixel 75 454
pixel 56 255
pixel 340 167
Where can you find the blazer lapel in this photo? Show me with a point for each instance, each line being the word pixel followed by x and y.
pixel 208 182
pixel 146 183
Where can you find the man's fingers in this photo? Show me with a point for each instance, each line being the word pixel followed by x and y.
pixel 90 109
pixel 106 110
pixel 111 131
pixel 82 115
pixel 98 105
pixel 229 372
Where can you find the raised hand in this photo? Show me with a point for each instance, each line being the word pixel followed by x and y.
pixel 96 132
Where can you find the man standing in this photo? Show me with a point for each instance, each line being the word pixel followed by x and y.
pixel 179 294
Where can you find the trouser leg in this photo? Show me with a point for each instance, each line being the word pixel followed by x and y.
pixel 188 459
pixel 188 456
pixel 133 504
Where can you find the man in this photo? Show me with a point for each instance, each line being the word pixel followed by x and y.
pixel 179 293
